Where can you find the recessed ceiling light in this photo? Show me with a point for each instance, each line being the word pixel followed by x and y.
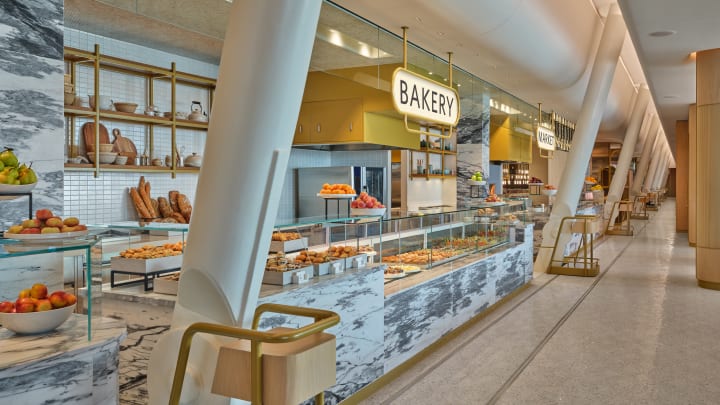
pixel 440 33
pixel 663 33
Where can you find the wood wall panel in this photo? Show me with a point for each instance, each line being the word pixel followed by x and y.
pixel 681 175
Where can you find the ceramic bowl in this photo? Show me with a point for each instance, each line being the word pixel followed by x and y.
pixel 106 158
pixel 69 98
pixel 121 160
pixel 126 107
pixel 105 102
pixel 31 323
pixel 549 192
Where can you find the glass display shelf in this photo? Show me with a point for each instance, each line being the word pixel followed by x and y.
pixel 11 248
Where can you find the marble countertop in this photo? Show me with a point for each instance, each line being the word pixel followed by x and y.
pixel 70 337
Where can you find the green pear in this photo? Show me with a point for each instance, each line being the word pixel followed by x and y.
pixel 28 176
pixel 2 165
pixel 8 157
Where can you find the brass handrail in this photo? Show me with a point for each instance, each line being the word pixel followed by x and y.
pixel 323 320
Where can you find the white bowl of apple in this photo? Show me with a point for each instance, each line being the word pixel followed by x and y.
pixel 366 204
pixel 37 312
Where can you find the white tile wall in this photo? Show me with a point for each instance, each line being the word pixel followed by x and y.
pixel 105 199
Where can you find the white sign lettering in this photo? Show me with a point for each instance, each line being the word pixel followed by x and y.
pixel 425 99
pixel 545 138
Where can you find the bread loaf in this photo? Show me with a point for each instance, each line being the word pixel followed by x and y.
pixel 172 199
pixel 139 204
pixel 184 206
pixel 178 217
pixel 164 207
pixel 146 199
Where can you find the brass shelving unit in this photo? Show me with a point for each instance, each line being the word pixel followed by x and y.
pixel 427 152
pixel 74 57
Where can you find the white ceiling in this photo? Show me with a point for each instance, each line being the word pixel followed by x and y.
pixel 538 50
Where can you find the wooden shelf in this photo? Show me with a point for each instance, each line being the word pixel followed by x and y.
pixel 432 176
pixel 84 167
pixel 132 117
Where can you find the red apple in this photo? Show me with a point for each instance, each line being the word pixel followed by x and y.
pixel 54 221
pixel 71 298
pixel 39 291
pixel 43 214
pixel 80 228
pixel 30 231
pixel 23 305
pixel 369 204
pixel 7 306
pixel 26 293
pixel 361 204
pixel 31 223
pixel 58 299
pixel 43 305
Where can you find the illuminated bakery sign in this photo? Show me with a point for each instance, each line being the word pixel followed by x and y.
pixel 424 99
pixel 545 138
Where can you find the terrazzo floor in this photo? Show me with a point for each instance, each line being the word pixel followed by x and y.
pixel 641 332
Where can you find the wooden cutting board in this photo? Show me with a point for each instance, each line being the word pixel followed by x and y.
pixel 124 146
pixel 88 131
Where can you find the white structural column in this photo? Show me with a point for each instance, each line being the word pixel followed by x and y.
pixel 644 162
pixel 656 156
pixel 617 184
pixel 593 107
pixel 662 169
pixel 261 80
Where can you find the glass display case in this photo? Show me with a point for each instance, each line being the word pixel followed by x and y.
pixel 89 299
pixel 413 243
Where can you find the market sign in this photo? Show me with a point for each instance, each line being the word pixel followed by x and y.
pixel 424 99
pixel 545 138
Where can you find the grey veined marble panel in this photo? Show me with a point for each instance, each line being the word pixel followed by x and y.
pixel 419 316
pixel 358 299
pixel 32 27
pixel 31 122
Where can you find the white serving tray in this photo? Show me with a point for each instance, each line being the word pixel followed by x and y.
pixel 285 277
pixel 144 266
pixel 288 245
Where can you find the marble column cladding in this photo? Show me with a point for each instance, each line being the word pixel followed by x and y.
pixel 473 147
pixel 31 98
pixel 18 273
pixel 417 317
pixel 359 302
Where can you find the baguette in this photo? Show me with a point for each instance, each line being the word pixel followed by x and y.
pixel 185 207
pixel 139 204
pixel 164 207
pixel 172 199
pixel 146 199
pixel 141 183
pixel 154 202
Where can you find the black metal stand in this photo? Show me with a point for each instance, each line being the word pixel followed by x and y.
pixel 145 278
pixel 30 203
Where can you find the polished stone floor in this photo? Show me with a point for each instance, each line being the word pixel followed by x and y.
pixel 641 332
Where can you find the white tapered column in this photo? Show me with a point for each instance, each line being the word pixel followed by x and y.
pixel 655 157
pixel 644 162
pixel 617 184
pixel 261 80
pixel 593 107
pixel 662 169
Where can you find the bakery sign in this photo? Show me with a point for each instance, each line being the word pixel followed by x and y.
pixel 545 138
pixel 424 99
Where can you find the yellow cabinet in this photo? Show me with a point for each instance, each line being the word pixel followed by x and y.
pixel 334 121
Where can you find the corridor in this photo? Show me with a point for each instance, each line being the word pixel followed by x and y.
pixel 641 332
